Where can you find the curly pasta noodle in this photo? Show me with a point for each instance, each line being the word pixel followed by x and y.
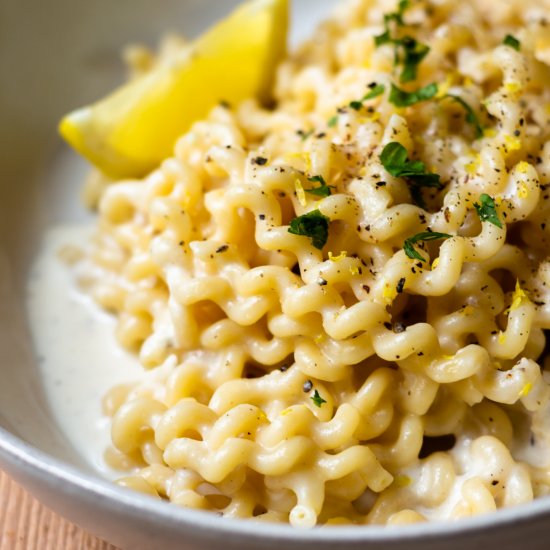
pixel 349 382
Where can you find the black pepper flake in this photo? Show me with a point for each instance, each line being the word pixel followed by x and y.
pixel 380 184
pixel 494 482
pixel 260 161
pixel 284 367
pixel 262 216
pixel 388 326
pixel 308 386
pixel 322 282
pixel 399 327
pixel 400 285
pixel 366 288
pixel 222 249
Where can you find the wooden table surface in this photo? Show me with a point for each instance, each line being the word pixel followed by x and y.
pixel 27 525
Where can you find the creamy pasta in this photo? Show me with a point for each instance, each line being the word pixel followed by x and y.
pixel 340 303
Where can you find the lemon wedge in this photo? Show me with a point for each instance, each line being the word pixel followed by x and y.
pixel 131 131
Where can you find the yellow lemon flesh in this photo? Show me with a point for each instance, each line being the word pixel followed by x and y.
pixel 131 131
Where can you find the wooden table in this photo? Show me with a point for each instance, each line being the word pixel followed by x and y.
pixel 27 525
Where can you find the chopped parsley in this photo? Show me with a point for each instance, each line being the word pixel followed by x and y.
pixel 413 54
pixel 397 16
pixel 487 211
pixel 471 116
pixel 323 190
pixel 401 98
pixel 333 121
pixel 408 50
pixel 395 160
pixel 512 41
pixel 375 91
pixel 411 251
pixel 313 225
pixel 317 399
pixel 305 135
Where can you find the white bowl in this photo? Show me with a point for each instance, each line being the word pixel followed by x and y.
pixel 54 56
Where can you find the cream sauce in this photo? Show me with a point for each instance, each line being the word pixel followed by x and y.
pixel 79 358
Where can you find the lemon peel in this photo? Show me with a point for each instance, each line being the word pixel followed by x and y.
pixel 131 131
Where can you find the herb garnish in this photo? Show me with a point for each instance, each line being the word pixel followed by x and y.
pixel 512 41
pixel 411 51
pixel 376 90
pixel 413 54
pixel 397 16
pixel 317 399
pixel 487 211
pixel 401 98
pixel 471 116
pixel 323 190
pixel 408 246
pixel 333 121
pixel 313 225
pixel 305 135
pixel 395 160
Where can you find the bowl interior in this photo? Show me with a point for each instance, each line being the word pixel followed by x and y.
pixel 60 55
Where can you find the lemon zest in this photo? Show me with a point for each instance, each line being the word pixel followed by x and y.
pixel 526 390
pixel 512 143
pixel 435 263
pixel 389 293
pixel 300 193
pixel 513 86
pixel 319 338
pixel 472 167
pixel 523 167
pixel 354 270
pixel 489 132
pixel 501 337
pixel 340 256
pixel 468 310
pixel 518 297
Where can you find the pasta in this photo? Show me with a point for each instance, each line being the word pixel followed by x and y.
pixel 340 303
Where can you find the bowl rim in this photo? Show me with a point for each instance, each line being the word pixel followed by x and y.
pixel 26 458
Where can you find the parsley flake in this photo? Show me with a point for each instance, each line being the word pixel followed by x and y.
pixel 401 98
pixel 512 41
pixel 471 116
pixel 413 54
pixel 411 251
pixel 395 160
pixel 397 16
pixel 376 90
pixel 487 211
pixel 313 225
pixel 317 399
pixel 323 190
pixel 305 135
pixel 333 121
